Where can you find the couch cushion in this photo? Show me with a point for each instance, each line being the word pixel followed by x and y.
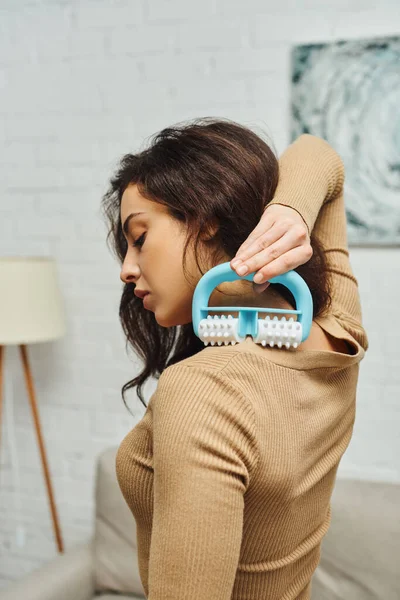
pixel 360 554
pixel 115 553
pixel 117 597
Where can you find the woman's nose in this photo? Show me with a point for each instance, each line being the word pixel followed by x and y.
pixel 127 277
pixel 124 277
pixel 129 272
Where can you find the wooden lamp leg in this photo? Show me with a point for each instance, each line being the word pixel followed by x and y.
pixel 32 399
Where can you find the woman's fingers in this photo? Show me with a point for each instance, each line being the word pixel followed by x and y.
pixel 287 261
pixel 259 288
pixel 256 244
pixel 271 246
pixel 278 244
pixel 262 229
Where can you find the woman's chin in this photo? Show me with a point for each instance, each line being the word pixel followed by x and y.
pixel 171 320
pixel 162 319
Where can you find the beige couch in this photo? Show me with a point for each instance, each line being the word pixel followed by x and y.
pixel 360 557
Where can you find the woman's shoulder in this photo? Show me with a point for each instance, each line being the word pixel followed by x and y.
pixel 204 382
pixel 248 359
pixel 223 360
pixel 231 369
pixel 200 369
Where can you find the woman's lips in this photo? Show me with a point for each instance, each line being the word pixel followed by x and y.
pixel 145 298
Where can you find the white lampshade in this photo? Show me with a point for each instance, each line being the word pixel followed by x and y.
pixel 31 306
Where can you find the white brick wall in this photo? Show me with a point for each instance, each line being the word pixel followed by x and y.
pixel 81 83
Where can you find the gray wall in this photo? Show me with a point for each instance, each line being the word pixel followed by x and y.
pixel 82 83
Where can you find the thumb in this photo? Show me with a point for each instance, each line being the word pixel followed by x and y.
pixel 259 288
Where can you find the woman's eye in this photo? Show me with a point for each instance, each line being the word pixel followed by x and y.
pixel 139 242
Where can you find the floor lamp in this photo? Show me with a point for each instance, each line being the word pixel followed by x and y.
pixel 31 311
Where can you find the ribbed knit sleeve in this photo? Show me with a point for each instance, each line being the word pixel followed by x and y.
pixel 204 452
pixel 311 173
pixel 311 178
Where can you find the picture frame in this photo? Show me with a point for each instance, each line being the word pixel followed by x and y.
pixel 348 93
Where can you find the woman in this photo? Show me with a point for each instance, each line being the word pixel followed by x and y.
pixel 230 472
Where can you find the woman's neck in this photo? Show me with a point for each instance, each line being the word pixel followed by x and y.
pixel 240 293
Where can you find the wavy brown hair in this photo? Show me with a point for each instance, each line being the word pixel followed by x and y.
pixel 203 171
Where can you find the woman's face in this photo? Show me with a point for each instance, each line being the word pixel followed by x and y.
pixel 155 263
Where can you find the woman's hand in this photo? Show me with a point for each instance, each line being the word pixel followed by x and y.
pixel 279 243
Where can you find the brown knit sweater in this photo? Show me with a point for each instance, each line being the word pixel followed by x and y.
pixel 229 473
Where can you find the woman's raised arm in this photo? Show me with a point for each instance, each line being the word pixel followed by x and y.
pixel 309 198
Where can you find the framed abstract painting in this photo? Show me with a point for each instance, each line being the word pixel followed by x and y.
pixel 348 92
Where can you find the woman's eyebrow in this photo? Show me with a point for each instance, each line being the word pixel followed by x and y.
pixel 125 225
